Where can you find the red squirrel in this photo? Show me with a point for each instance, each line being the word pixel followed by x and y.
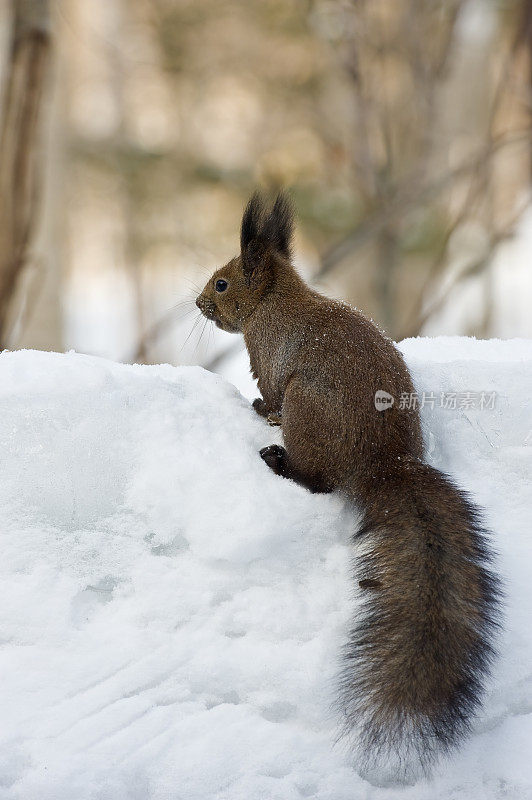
pixel 419 652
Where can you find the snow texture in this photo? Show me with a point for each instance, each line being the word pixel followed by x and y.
pixel 172 613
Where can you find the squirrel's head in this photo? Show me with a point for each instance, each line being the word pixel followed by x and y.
pixel 234 291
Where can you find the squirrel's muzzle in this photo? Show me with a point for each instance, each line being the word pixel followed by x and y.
pixel 206 306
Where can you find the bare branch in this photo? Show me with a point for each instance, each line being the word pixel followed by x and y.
pixel 475 268
pixel 414 196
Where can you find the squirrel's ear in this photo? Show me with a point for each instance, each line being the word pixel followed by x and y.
pixel 252 221
pixel 251 244
pixel 279 225
pixel 261 232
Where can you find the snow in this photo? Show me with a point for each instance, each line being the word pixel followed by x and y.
pixel 172 612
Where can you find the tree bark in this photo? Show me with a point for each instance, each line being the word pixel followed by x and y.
pixel 19 137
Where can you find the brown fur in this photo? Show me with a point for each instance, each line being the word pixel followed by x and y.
pixel 416 658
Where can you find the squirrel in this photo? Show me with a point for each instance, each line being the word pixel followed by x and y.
pixel 417 657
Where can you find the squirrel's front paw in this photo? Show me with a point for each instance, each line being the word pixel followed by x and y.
pixel 260 407
pixel 272 417
pixel 275 458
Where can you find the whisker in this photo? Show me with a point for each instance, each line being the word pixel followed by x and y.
pixel 191 330
pixel 184 302
pixel 201 334
pixel 182 317
pixel 193 285
pixel 204 271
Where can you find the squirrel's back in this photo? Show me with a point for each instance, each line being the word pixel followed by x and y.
pixel 344 362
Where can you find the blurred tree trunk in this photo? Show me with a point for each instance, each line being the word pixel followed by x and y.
pixel 524 36
pixel 19 133
pixel 385 273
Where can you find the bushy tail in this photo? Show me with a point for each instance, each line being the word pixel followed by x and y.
pixel 418 656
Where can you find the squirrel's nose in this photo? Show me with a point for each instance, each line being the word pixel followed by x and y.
pixel 206 306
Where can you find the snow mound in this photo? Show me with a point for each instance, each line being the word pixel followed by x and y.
pixel 172 613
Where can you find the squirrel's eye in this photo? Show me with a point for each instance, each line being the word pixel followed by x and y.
pixel 220 285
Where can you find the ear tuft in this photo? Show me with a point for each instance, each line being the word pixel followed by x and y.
pixel 252 221
pixel 279 225
pixel 263 231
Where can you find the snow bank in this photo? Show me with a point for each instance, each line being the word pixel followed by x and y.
pixel 172 612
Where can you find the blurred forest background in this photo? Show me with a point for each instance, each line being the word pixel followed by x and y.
pixel 133 131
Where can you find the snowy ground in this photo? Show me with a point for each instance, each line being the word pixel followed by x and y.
pixel 171 611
